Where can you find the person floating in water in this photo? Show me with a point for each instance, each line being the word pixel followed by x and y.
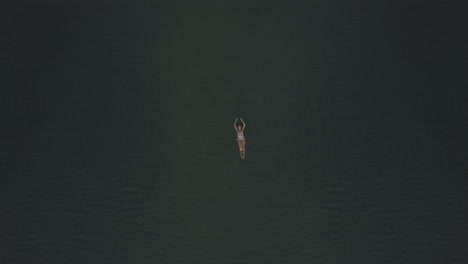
pixel 240 137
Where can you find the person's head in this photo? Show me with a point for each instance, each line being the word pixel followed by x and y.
pixel 239 127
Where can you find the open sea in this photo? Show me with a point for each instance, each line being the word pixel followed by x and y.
pixel 117 142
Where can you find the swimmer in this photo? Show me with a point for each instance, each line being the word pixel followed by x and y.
pixel 240 137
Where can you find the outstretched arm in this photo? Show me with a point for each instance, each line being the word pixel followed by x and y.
pixel 243 123
pixel 235 124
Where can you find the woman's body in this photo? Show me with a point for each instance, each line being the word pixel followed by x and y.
pixel 240 137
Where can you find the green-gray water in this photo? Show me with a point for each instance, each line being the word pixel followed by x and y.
pixel 117 143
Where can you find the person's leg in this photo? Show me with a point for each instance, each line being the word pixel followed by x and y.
pixel 243 149
pixel 239 143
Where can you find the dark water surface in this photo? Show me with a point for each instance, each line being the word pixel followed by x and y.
pixel 117 143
